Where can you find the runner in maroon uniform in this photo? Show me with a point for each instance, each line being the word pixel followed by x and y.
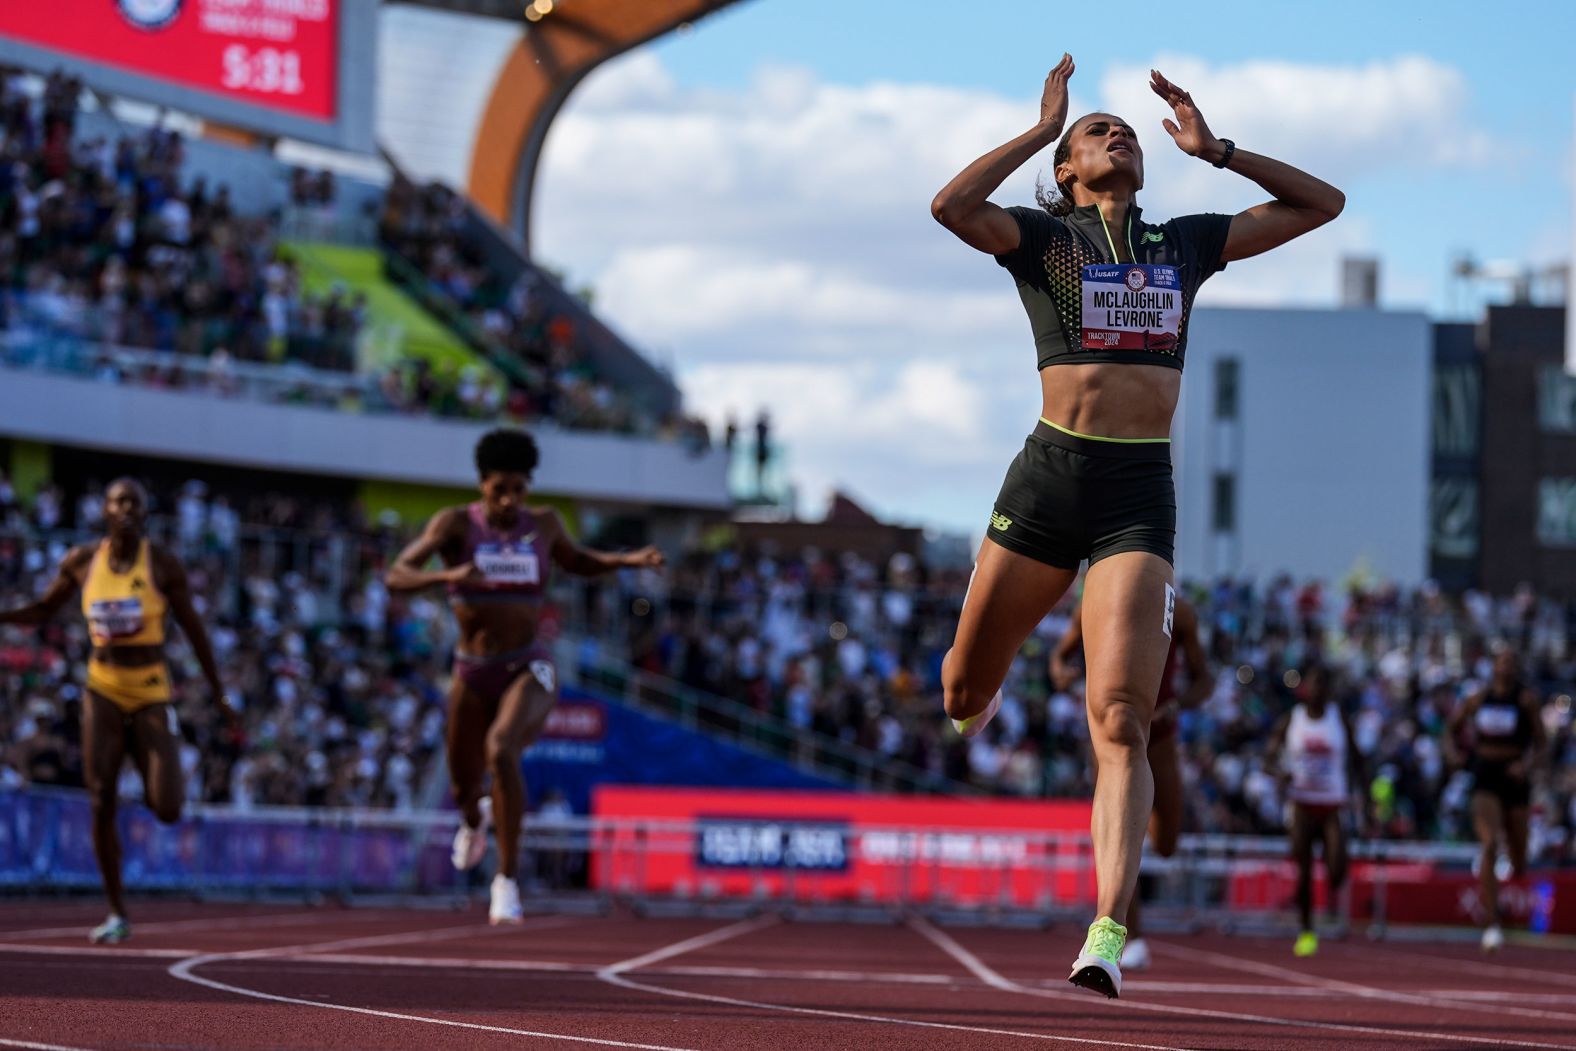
pixel 496 555
pixel 1165 817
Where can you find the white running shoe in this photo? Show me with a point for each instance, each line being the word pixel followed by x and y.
pixel 505 907
pixel 971 726
pixel 471 843
pixel 1493 938
pixel 1136 956
pixel 112 931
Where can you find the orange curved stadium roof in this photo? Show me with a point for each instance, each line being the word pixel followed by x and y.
pixel 554 55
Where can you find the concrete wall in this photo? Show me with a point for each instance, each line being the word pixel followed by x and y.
pixel 1328 452
pixel 86 413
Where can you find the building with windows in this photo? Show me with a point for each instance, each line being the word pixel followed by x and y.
pixel 1303 444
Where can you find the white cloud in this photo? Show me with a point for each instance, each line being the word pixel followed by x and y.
pixel 728 302
pixel 1344 123
pixel 922 440
pixel 776 242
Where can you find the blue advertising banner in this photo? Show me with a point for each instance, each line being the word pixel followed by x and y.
pixel 46 835
pixel 589 741
pixel 46 840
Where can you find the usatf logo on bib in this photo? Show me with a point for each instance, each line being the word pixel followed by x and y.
pixel 1131 307
pixel 149 15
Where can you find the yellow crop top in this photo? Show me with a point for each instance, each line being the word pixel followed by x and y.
pixel 123 609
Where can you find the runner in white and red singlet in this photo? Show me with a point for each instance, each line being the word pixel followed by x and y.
pixel 1313 744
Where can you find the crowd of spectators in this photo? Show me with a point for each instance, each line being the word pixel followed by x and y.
pixel 340 683
pixel 106 239
pixel 339 688
pixel 844 646
pixel 110 242
pixel 524 320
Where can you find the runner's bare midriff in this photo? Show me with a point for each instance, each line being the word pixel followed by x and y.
pixel 1111 400
pixel 490 628
pixel 128 656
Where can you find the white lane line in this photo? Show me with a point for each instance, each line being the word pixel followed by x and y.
pixel 700 941
pixel 1336 985
pixel 457 963
pixel 992 978
pixel 427 936
pixel 184 971
pixel 97 950
pixel 37 1046
pixel 614 975
pixel 1483 967
pixel 678 971
pixel 165 926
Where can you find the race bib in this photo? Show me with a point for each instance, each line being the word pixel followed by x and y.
pixel 1132 306
pixel 507 564
pixel 1315 772
pixel 1496 721
pixel 545 674
pixel 115 618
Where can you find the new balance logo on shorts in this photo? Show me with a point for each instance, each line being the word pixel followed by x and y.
pixel 1000 522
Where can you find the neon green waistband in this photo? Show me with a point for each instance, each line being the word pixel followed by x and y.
pixel 1099 438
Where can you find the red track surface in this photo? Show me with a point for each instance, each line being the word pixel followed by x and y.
pixel 202 976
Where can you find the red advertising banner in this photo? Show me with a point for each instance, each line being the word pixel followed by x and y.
pixel 1414 892
pixel 832 846
pixel 274 53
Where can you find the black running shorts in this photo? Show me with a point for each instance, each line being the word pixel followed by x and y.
pixel 1496 779
pixel 1068 498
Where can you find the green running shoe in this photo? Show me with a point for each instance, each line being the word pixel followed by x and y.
pixel 112 931
pixel 972 726
pixel 1307 944
pixel 1099 967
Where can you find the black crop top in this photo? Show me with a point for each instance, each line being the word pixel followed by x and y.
pixel 1085 307
pixel 1501 719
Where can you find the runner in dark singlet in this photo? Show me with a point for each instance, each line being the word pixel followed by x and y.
pixel 497 553
pixel 1108 295
pixel 1507 744
pixel 1185 657
pixel 130 587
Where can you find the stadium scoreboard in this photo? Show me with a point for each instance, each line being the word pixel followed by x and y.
pixel 302 69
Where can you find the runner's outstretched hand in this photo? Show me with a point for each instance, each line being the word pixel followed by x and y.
pixel 1188 131
pixel 1053 103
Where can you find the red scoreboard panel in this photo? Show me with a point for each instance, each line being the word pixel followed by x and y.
pixel 276 65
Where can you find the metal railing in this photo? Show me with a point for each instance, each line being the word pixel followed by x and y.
pixel 77 354
pixel 327 225
pixel 739 724
pixel 815 867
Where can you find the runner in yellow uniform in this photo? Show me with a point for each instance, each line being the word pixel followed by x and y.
pixel 128 586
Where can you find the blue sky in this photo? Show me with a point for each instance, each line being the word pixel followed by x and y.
pixel 749 199
pixel 1517 58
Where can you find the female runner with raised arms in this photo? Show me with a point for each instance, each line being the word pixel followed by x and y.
pixel 1108 296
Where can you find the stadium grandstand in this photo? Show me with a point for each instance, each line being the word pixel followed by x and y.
pixel 255 307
